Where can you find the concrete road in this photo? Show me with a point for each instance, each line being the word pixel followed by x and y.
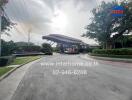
pixel 9 85
pixel 71 77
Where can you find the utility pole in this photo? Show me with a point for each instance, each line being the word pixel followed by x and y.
pixel 29 36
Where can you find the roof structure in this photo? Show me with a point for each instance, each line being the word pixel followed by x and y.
pixel 62 39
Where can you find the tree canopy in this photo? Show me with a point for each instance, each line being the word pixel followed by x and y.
pixel 3 2
pixel 46 48
pixel 104 26
pixel 5 21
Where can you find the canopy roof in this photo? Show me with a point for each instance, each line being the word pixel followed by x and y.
pixel 62 39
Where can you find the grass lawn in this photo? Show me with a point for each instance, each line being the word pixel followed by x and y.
pixel 4 70
pixel 23 60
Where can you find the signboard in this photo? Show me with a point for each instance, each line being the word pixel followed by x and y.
pixel 118 11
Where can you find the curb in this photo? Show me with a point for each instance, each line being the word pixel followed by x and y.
pixel 112 59
pixel 14 69
pixel 85 57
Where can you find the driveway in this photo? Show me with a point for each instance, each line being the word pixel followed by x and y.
pixel 71 77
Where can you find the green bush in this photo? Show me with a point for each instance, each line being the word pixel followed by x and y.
pixel 90 50
pixel 28 49
pixel 3 61
pixel 113 56
pixel 49 53
pixel 28 54
pixel 47 49
pixel 55 49
pixel 7 48
pixel 122 51
pixel 6 60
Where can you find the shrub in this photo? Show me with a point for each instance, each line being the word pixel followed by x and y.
pixel 113 56
pixel 47 49
pixel 28 54
pixel 7 48
pixel 56 49
pixel 49 53
pixel 122 51
pixel 24 49
pixel 3 61
pixel 90 50
pixel 6 60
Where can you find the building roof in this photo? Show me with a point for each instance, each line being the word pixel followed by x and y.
pixel 62 39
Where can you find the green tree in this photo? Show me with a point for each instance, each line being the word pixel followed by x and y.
pixel 8 48
pixel 102 22
pixel 24 44
pixel 123 25
pixel 46 48
pixel 5 24
pixel 103 25
pixel 27 47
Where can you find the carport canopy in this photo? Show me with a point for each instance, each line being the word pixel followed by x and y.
pixel 62 39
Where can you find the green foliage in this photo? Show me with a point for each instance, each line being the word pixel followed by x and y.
pixel 90 49
pixel 123 51
pixel 5 24
pixel 24 44
pixel 11 47
pixel 46 48
pixel 103 25
pixel 56 49
pixel 3 62
pixel 123 25
pixel 26 47
pixel 125 41
pixel 8 48
pixel 6 60
pixel 113 56
pixel 3 2
pixel 102 22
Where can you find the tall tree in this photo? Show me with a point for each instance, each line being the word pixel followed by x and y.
pixel 5 24
pixel 103 25
pixel 102 22
pixel 123 25
pixel 46 48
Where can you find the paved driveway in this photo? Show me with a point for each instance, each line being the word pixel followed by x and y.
pixel 71 77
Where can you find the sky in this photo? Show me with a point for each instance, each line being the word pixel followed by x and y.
pixel 43 17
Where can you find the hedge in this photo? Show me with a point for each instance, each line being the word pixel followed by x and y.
pixel 5 60
pixel 28 54
pixel 112 56
pixel 122 51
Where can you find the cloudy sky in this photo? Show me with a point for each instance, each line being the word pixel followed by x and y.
pixel 43 17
